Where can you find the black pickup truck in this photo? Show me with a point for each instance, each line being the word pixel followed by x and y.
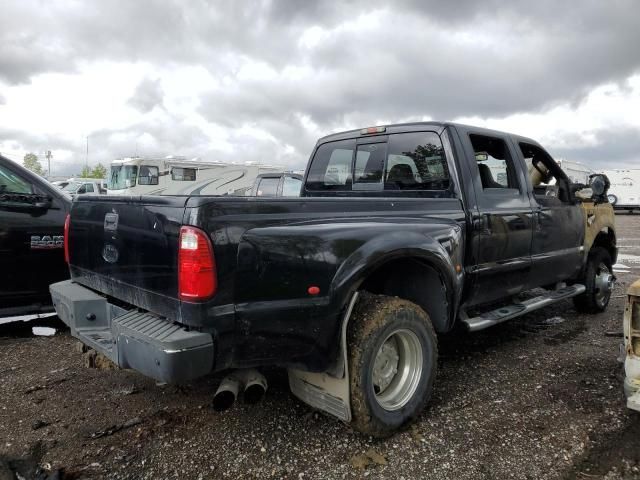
pixel 401 233
pixel 32 216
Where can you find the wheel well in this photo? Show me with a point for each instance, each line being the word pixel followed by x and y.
pixel 416 281
pixel 607 240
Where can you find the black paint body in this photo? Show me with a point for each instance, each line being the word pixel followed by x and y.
pixel 268 251
pixel 31 250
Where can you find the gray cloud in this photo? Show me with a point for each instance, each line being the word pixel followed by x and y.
pixel 613 148
pixel 423 58
pixel 147 96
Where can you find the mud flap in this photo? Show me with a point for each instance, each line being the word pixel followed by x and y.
pixel 633 402
pixel 327 391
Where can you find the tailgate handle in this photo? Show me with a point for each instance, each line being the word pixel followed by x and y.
pixel 111 222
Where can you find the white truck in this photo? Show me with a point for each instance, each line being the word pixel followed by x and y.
pixel 624 193
pixel 80 186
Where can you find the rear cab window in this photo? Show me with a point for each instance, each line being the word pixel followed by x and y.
pixel 268 187
pixel 291 187
pixel 412 163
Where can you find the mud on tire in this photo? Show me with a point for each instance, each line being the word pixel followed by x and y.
pixel 387 333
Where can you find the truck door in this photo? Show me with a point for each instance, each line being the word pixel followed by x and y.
pixel 31 243
pixel 502 224
pixel 558 233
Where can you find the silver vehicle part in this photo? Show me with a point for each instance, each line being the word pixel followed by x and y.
pixel 327 391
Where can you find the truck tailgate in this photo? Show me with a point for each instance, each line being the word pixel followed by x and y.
pixel 127 247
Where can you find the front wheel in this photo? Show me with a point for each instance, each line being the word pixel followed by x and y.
pixel 393 353
pixel 612 199
pixel 598 282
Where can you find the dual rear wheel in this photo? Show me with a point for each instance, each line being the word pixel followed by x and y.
pixel 393 355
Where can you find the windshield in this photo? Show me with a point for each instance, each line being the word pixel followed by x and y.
pixel 122 176
pixel 71 187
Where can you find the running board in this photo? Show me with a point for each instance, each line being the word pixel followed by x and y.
pixel 514 310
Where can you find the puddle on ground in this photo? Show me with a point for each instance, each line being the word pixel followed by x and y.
pixel 27 318
pixel 621 268
pixel 43 331
pixel 627 257
pixel 553 321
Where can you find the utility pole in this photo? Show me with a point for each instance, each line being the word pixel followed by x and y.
pixel 87 157
pixel 48 155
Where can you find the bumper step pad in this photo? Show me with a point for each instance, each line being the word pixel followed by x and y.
pixel 152 345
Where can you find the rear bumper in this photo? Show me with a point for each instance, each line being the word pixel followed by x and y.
pixel 153 346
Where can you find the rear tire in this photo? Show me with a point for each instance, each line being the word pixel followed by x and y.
pixel 393 352
pixel 598 282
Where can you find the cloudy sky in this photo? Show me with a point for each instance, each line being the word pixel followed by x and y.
pixel 261 80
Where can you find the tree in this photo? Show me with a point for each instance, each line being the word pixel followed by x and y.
pixel 86 172
pixel 32 163
pixel 99 171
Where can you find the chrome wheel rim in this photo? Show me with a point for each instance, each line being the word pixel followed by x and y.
pixel 603 284
pixel 397 369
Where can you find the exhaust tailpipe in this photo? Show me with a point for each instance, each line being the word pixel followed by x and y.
pixel 253 383
pixel 255 386
pixel 227 393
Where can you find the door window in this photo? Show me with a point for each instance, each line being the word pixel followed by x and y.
pixel 550 184
pixel 495 165
pixel 88 188
pixel 12 183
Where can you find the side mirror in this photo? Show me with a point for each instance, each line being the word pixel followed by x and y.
pixel 598 184
pixel 82 189
pixel 597 189
pixel 44 204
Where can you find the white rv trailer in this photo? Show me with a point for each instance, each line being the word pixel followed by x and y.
pixel 576 171
pixel 624 192
pixel 178 176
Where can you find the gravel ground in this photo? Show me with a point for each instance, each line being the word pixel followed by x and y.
pixel 538 397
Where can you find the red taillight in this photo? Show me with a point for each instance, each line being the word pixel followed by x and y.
pixel 197 279
pixel 67 221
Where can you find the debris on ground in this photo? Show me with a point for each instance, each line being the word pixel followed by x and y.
pixel 364 460
pixel 116 428
pixel 93 359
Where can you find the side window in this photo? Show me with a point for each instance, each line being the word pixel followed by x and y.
pixel 88 187
pixel 291 187
pixel 148 175
pixel 12 183
pixel 331 166
pixel 495 165
pixel 550 185
pixel 183 174
pixel 416 161
pixel 268 187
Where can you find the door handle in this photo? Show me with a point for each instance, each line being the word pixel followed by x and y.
pixel 481 224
